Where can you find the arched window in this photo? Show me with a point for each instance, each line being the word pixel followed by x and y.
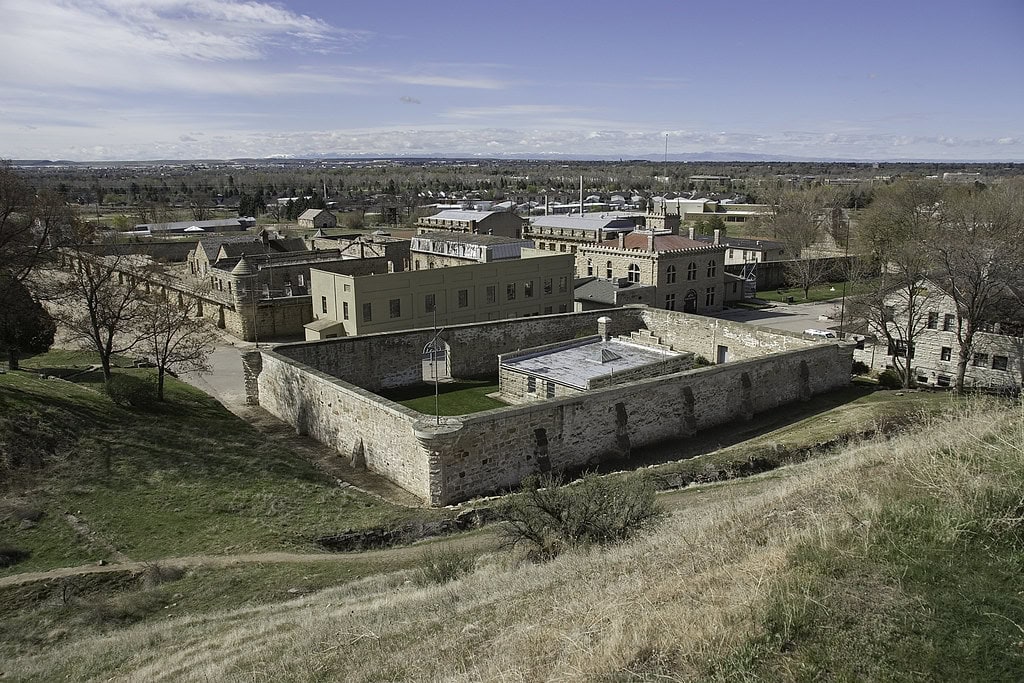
pixel 670 276
pixel 712 268
pixel 608 270
pixel 590 267
pixel 691 271
pixel 634 272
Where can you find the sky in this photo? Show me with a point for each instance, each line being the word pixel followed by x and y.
pixel 98 80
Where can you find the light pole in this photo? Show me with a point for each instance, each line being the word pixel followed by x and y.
pixel 431 348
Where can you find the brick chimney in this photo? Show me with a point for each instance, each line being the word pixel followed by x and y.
pixel 602 327
pixel 650 241
pixel 622 240
pixel 718 237
pixel 693 233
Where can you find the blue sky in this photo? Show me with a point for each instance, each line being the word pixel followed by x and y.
pixel 159 79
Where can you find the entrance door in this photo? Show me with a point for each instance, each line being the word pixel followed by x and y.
pixel 723 354
pixel 690 302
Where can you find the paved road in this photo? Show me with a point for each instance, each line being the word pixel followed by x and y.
pixel 789 317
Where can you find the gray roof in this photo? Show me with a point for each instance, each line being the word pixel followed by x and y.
pixel 469 238
pixel 578 363
pixel 237 223
pixel 602 291
pixel 587 222
pixel 741 242
pixel 462 215
pixel 310 214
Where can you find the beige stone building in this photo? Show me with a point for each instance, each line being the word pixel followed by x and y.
pixel 566 234
pixel 996 361
pixel 503 223
pixel 539 283
pixel 688 275
pixel 311 219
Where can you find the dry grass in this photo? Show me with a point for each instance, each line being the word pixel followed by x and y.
pixel 682 603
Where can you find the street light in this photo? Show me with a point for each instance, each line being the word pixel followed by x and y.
pixel 431 348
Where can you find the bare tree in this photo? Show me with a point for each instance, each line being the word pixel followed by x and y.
pixel 30 225
pixel 174 337
pixel 979 253
pixel 100 298
pixel 896 232
pixel 800 219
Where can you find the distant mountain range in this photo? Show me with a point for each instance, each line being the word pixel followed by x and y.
pixel 706 157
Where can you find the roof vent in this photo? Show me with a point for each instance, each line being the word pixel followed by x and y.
pixel 609 356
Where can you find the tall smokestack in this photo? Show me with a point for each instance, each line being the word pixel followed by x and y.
pixel 581 195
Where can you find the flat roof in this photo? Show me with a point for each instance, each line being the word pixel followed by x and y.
pixel 577 364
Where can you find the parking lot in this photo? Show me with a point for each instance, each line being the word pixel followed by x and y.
pixel 789 317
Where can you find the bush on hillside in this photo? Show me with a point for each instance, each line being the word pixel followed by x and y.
pixel 441 566
pixel 890 380
pixel 548 517
pixel 129 391
pixel 860 368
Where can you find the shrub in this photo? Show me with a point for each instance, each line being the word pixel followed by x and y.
pixel 860 368
pixel 129 391
pixel 890 380
pixel 11 556
pixel 441 566
pixel 548 517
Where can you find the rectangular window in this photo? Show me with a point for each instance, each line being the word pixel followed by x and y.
pixel 367 313
pixel 549 389
pixel 947 322
pixel 561 308
pixel 933 320
pixel 531 385
pixel 528 289
pixel 548 285
pixel 429 303
pixel 980 360
pixel 1000 363
pixel 510 291
pixel 670 302
pixel 563 284
pixel 946 353
pixel 942 381
pixel 492 294
pixel 899 348
pixel 323 304
pixel 301 280
pixel 395 308
pixel 463 298
pixel 547 310
pixel 347 288
pixel 709 297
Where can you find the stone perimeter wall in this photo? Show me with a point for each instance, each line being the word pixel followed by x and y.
pixel 491 451
pixel 357 423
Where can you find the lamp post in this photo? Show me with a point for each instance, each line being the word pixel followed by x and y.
pixel 431 348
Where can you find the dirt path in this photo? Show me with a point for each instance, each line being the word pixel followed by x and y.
pixel 478 541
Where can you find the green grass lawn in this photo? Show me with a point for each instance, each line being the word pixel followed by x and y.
pixel 818 293
pixel 460 397
pixel 185 477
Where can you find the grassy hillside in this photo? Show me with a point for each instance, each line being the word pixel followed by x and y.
pixel 83 480
pixel 888 560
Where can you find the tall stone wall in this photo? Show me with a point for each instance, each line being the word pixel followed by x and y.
pixel 362 426
pixel 380 361
pixel 495 450
pixel 703 336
